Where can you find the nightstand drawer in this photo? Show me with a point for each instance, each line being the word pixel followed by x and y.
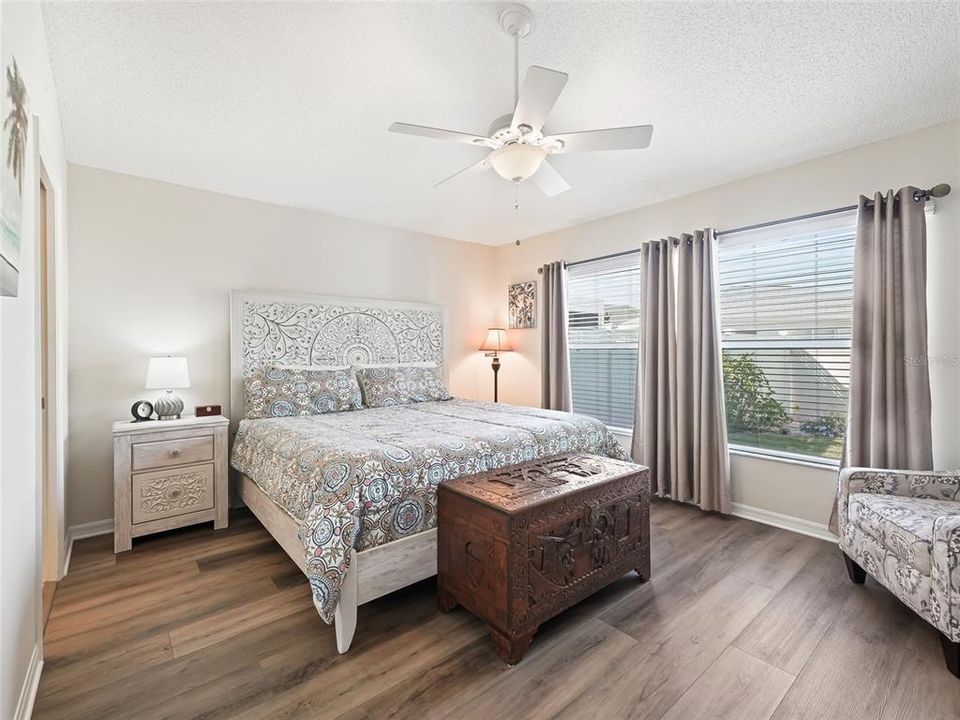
pixel 166 453
pixel 166 493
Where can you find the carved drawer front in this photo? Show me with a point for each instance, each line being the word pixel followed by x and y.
pixel 165 453
pixel 166 493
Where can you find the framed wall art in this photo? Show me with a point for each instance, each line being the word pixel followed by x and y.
pixel 522 305
pixel 14 119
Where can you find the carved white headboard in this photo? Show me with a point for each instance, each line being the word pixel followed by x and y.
pixel 276 328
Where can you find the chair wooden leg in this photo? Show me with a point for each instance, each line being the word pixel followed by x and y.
pixel 857 574
pixel 951 654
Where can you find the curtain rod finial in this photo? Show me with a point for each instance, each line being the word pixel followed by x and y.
pixel 937 191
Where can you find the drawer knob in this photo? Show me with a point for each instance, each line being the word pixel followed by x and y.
pixel 175 452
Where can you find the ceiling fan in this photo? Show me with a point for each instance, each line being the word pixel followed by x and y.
pixel 517 144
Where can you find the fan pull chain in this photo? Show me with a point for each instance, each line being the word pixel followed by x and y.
pixel 516 202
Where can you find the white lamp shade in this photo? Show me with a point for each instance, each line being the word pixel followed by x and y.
pixel 497 341
pixel 166 373
pixel 517 162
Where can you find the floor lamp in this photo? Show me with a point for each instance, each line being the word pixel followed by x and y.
pixel 496 343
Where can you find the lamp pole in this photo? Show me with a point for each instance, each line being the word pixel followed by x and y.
pixel 496 368
pixel 495 343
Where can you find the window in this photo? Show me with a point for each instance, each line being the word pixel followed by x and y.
pixel 786 295
pixel 603 306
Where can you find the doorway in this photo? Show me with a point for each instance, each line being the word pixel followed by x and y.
pixel 51 496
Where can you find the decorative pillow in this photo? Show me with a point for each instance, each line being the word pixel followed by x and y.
pixel 423 364
pixel 281 392
pixel 384 386
pixel 281 366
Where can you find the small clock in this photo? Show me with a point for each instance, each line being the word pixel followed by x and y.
pixel 141 411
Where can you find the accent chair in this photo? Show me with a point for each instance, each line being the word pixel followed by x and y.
pixel 903 528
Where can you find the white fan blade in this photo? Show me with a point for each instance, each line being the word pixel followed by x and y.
pixel 539 93
pixel 549 180
pixel 635 137
pixel 438 134
pixel 470 169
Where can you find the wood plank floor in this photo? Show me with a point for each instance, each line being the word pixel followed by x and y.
pixel 740 621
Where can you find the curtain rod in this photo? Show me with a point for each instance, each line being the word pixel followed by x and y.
pixel 918 196
pixel 808 216
pixel 937 191
pixel 595 259
pixel 603 257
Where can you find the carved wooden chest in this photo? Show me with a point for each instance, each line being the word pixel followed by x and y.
pixel 518 545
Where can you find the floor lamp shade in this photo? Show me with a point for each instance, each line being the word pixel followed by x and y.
pixel 168 373
pixel 496 343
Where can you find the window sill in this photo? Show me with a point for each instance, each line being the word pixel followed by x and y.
pixel 741 451
pixel 790 458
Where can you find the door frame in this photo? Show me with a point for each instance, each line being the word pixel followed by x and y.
pixel 51 531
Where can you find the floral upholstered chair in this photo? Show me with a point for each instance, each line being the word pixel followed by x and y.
pixel 903 528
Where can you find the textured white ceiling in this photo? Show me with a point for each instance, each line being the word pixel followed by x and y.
pixel 290 103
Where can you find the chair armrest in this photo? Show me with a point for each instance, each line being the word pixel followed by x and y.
pixel 945 572
pixel 937 484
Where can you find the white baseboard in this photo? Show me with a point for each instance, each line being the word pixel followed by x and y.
pixel 81 531
pixel 785 522
pixel 91 529
pixel 28 691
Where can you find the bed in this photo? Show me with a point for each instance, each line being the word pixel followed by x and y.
pixel 351 496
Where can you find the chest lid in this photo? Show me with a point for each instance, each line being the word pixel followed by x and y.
pixel 517 487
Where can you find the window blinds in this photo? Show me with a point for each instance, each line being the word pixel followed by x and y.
pixel 786 294
pixel 603 305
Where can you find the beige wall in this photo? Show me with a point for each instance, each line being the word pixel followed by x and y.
pixel 20 480
pixel 151 267
pixel 922 158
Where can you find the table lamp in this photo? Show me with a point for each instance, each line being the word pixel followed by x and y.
pixel 496 343
pixel 168 373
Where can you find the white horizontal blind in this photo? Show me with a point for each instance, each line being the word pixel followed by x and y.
pixel 786 297
pixel 603 305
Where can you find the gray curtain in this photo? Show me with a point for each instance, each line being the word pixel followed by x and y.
pixel 554 355
pixel 888 423
pixel 680 429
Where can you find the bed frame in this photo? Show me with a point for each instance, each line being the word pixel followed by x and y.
pixel 269 327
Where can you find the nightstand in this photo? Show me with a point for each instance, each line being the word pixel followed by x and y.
pixel 167 474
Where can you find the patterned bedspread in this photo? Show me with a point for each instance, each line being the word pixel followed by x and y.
pixel 364 478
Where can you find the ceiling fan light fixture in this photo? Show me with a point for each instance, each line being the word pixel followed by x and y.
pixel 516 144
pixel 517 161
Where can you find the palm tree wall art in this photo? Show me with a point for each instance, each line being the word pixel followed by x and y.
pixel 12 172
pixel 16 123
